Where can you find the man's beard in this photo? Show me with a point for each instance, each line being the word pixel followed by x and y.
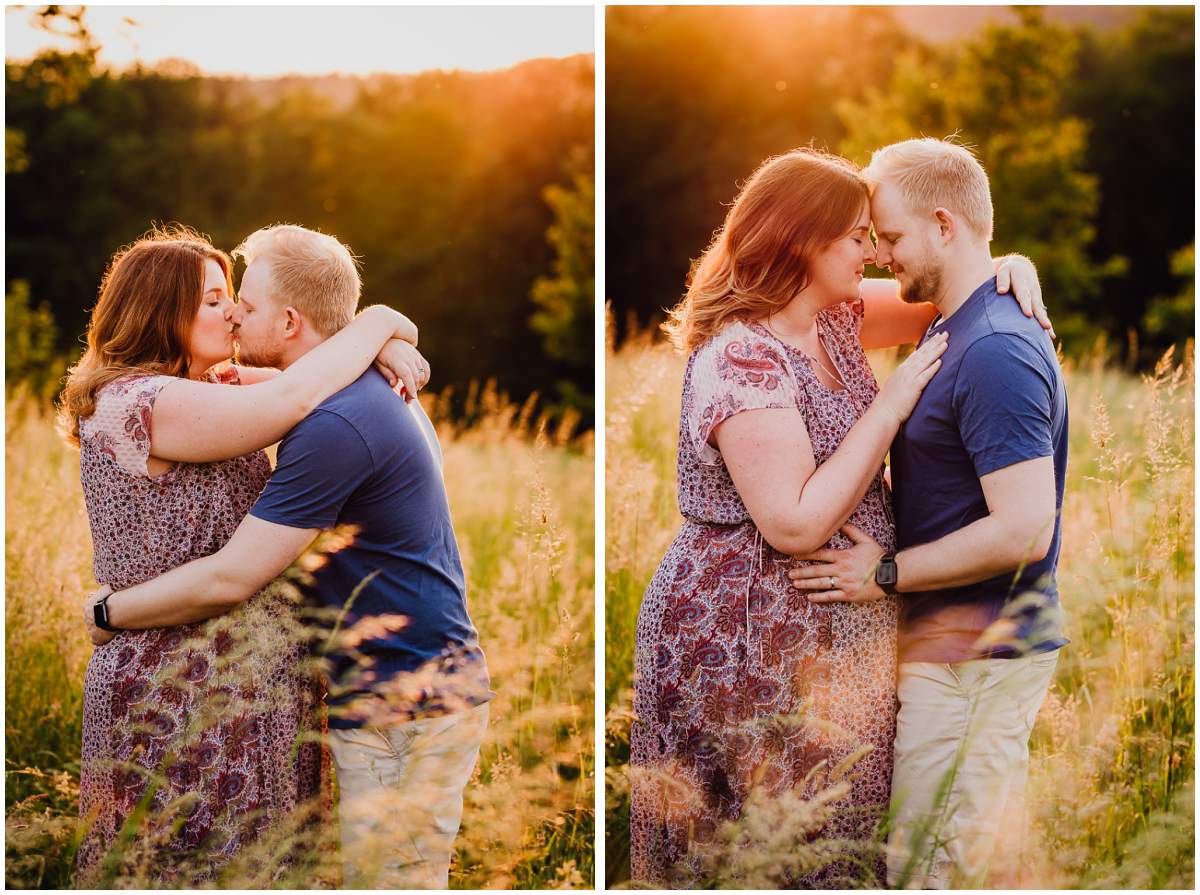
pixel 258 356
pixel 925 285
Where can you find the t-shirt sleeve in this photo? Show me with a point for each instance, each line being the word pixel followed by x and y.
pixel 120 424
pixel 320 464
pixel 736 371
pixel 1003 398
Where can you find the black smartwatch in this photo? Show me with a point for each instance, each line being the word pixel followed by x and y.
pixel 885 573
pixel 100 615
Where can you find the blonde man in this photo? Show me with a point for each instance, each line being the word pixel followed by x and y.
pixel 978 472
pixel 409 692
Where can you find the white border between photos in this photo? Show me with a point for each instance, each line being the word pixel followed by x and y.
pixel 599 454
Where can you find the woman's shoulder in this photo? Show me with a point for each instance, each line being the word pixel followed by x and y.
pixel 123 406
pixel 125 388
pixel 743 355
pixel 740 339
pixel 131 388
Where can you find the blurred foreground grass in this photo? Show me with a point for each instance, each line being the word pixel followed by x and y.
pixel 1110 786
pixel 522 501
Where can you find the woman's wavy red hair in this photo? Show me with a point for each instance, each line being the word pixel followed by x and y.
pixel 149 297
pixel 791 207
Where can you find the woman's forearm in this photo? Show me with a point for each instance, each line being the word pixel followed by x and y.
pixel 342 358
pixel 888 320
pixel 837 486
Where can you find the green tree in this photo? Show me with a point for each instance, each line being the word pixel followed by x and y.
pixel 696 98
pixel 31 356
pixel 566 299
pixel 1002 94
pixel 1136 87
pixel 1171 318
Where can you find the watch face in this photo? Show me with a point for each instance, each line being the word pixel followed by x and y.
pixel 886 573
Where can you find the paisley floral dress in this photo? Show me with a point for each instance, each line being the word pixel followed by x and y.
pixel 217 736
pixel 741 684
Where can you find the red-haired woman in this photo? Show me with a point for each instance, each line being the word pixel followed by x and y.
pixel 741 683
pixel 193 743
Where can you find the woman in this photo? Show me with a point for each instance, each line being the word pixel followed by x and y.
pixel 742 686
pixel 212 741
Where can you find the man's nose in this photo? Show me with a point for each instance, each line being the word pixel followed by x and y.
pixel 233 313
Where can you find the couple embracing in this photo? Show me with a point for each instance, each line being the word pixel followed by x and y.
pixel 202 718
pixel 817 621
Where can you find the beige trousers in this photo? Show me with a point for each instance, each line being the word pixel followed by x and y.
pixel 401 797
pixel 961 759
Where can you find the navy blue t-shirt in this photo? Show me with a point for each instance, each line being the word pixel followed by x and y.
pixel 998 399
pixel 366 458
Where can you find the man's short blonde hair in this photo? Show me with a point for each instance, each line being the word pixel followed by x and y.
pixel 936 174
pixel 310 271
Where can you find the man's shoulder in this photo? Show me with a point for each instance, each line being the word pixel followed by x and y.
pixel 365 403
pixel 365 391
pixel 999 366
pixel 999 356
pixel 1003 316
pixel 339 417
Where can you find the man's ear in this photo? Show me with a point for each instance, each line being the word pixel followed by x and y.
pixel 946 223
pixel 293 324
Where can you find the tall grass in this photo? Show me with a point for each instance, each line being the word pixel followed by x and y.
pixel 521 494
pixel 1110 789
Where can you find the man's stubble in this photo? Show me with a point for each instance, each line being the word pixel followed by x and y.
pixel 925 284
pixel 258 355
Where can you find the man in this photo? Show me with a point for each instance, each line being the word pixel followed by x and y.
pixel 409 685
pixel 978 472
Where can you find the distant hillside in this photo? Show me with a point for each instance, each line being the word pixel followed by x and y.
pixel 341 90
pixel 938 24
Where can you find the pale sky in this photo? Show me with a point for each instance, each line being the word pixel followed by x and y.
pixel 267 41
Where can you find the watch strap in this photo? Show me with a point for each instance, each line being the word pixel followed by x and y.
pixel 100 615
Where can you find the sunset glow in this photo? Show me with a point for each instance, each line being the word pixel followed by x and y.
pixel 317 40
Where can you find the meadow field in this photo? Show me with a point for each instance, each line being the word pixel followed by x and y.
pixel 1111 786
pixel 521 493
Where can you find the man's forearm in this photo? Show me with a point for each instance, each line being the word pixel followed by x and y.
pixel 189 593
pixel 982 550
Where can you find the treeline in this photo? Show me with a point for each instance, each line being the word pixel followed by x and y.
pixel 455 189
pixel 1088 139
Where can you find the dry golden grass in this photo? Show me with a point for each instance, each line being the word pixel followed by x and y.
pixel 1110 786
pixel 522 500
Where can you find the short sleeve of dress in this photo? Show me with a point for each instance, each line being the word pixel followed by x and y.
pixel 737 370
pixel 120 425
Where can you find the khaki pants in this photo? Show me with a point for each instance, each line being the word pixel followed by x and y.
pixel 962 756
pixel 401 797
